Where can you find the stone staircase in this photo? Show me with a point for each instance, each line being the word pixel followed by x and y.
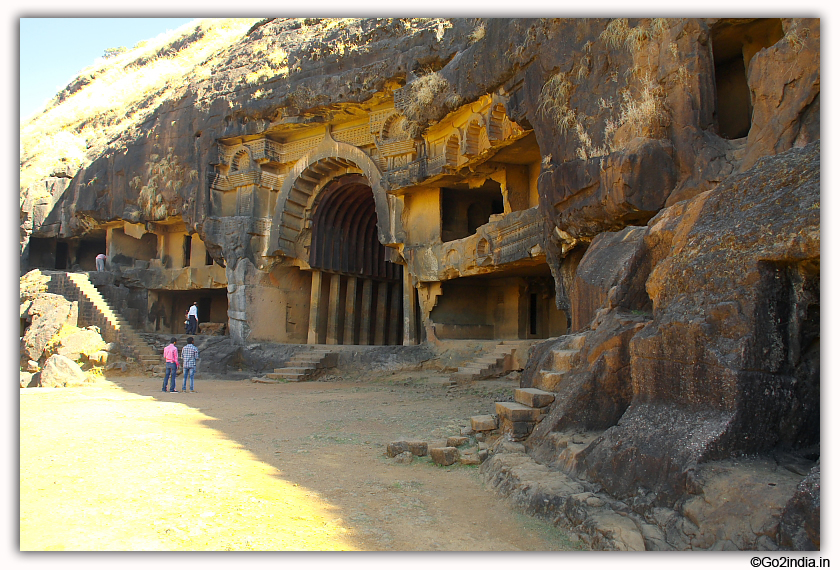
pixel 516 420
pixel 495 363
pixel 564 357
pixel 95 310
pixel 304 365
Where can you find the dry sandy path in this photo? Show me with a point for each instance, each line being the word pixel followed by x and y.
pixel 238 465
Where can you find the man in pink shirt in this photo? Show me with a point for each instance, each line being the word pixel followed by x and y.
pixel 170 355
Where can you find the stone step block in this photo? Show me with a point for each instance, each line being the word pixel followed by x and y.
pixel 563 360
pixel 456 441
pixel 471 458
pixel 484 423
pixel 549 380
pixel 415 447
pixel 516 412
pixel 533 397
pixel 516 428
pixel 295 369
pixel 285 376
pixel 444 455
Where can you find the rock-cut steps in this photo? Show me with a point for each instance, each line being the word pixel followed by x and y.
pixel 303 366
pixel 95 310
pixel 564 357
pixel 495 363
pixel 516 420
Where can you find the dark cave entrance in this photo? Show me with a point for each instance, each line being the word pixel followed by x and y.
pixel 733 45
pixel 357 292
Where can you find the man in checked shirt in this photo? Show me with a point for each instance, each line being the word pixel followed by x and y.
pixel 190 355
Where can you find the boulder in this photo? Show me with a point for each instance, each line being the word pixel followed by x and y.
pixel 32 284
pixel 79 345
pixel 404 458
pixel 119 367
pixel 59 371
pixel 799 526
pixel 99 358
pixel 217 329
pixel 49 313
pixel 25 378
pixel 456 441
pixel 611 261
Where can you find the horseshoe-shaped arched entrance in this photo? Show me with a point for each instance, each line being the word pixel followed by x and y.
pixel 356 291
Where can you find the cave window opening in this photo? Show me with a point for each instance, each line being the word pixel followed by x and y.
pixel 464 210
pixel 62 254
pixel 532 314
pixel 187 249
pixel 733 47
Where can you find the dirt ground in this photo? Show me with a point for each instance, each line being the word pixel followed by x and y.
pixel 120 465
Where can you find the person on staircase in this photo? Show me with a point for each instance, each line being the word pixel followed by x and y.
pixel 192 317
pixel 170 355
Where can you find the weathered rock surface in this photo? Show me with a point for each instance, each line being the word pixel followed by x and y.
pixel 726 363
pixel 49 313
pixel 61 372
pixel 734 336
pixel 799 527
pixel 81 344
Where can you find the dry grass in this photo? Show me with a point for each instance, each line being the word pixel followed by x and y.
pixel 554 101
pixel 644 114
pixel 478 33
pixel 426 90
pixel 161 174
pixel 618 33
pixel 124 91
pixel 796 37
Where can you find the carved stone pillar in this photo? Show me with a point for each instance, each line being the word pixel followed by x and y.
pixel 395 318
pixel 350 312
pixel 365 311
pixel 334 307
pixel 409 310
pixel 381 308
pixel 314 307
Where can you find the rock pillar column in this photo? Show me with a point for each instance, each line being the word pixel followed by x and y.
pixel 334 306
pixel 409 310
pixel 350 312
pixel 314 307
pixel 365 310
pixel 381 307
pixel 395 318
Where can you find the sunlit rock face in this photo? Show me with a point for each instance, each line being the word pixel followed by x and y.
pixel 638 200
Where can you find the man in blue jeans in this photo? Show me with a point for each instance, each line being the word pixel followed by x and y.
pixel 190 355
pixel 170 355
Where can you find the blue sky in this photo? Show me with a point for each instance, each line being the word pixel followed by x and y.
pixel 54 50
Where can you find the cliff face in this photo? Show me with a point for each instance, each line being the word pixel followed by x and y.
pixel 679 193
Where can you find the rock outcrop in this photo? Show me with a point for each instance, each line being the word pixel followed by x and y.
pixel 726 364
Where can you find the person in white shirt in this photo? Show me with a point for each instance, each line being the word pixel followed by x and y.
pixel 100 262
pixel 192 317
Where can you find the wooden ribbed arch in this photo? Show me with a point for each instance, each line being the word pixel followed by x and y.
pixel 344 236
